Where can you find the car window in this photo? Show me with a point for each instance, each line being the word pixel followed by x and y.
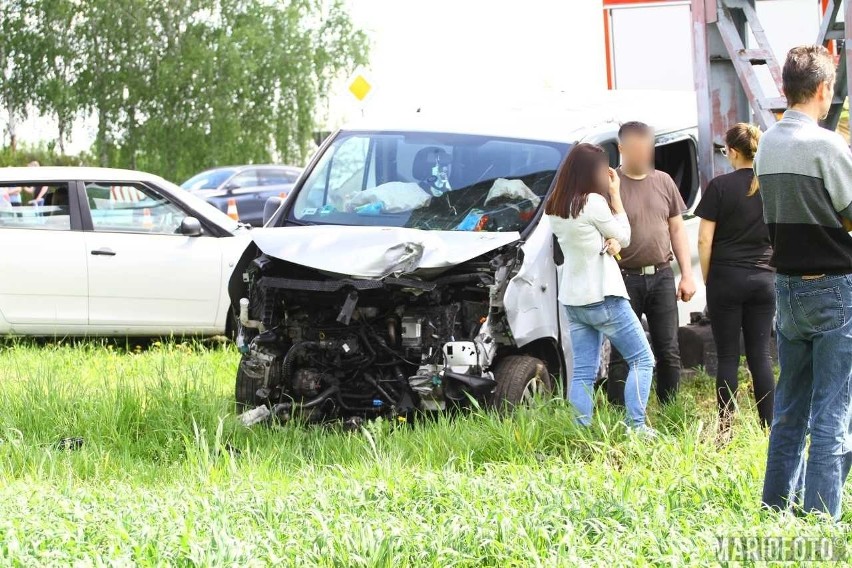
pixel 43 207
pixel 247 178
pixel 339 174
pixel 210 179
pixel 132 208
pixel 429 180
pixel 199 207
pixel 277 177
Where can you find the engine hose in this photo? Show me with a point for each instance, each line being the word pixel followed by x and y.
pixel 367 345
pixel 379 388
pixel 396 355
pixel 393 391
pixel 319 399
pixel 345 406
pixel 287 364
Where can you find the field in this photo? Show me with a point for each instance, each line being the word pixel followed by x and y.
pixel 165 476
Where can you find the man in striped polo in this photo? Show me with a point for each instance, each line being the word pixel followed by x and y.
pixel 805 175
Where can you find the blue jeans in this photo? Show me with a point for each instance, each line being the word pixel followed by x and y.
pixel 812 395
pixel 614 319
pixel 655 296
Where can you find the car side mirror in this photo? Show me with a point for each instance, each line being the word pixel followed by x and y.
pixel 190 227
pixel 270 207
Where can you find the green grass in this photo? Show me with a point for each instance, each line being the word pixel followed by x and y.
pixel 167 477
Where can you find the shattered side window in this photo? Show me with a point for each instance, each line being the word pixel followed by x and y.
pixel 341 173
pixel 431 181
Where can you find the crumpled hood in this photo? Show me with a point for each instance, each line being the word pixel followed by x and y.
pixel 375 252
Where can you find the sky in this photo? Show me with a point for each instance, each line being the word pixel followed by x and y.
pixel 476 49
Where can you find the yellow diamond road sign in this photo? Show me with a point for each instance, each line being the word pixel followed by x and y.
pixel 360 87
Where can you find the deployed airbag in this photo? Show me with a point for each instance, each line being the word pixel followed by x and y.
pixel 511 190
pixel 394 197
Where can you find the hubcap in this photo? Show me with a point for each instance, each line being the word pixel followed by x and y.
pixel 533 388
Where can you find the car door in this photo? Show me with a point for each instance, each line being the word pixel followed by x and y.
pixel 144 275
pixel 43 288
pixel 676 154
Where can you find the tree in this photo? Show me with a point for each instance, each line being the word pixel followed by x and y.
pixel 179 85
pixel 16 47
pixel 244 85
pixel 53 63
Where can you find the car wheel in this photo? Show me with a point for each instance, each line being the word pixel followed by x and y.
pixel 247 384
pixel 520 379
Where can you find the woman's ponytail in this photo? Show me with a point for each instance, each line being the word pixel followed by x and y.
pixel 744 138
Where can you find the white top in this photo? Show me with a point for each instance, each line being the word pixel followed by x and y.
pixel 587 276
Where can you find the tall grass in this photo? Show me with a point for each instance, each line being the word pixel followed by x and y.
pixel 166 476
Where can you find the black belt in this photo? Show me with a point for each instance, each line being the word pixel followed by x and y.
pixel 646 270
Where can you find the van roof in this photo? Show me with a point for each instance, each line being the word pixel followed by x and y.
pixel 565 118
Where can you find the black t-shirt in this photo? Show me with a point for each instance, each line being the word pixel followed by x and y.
pixel 741 238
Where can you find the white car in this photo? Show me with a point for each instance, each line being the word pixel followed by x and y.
pixel 412 266
pixel 95 251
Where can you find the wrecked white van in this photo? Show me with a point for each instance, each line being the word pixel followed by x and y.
pixel 412 267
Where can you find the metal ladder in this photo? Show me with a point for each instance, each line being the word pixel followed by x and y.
pixel 832 30
pixel 746 60
pixel 726 80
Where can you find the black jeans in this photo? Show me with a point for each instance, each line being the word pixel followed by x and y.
pixel 742 299
pixel 655 296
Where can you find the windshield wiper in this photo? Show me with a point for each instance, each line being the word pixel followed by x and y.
pixel 288 221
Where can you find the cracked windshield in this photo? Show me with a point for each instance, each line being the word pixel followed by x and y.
pixel 432 181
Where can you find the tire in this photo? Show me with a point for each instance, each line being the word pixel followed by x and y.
pixel 247 385
pixel 232 325
pixel 519 378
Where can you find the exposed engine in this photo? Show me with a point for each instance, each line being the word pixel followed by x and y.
pixel 318 346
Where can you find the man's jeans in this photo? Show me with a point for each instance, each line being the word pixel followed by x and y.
pixel 813 394
pixel 656 297
pixel 613 318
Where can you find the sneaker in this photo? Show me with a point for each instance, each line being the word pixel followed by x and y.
pixel 645 431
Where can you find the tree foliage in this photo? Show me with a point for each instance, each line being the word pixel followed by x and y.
pixel 178 85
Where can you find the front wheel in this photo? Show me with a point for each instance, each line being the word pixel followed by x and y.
pixel 520 379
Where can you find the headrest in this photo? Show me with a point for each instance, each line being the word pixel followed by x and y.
pixel 424 160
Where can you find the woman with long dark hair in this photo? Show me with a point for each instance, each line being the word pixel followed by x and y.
pixel 734 247
pixel 591 231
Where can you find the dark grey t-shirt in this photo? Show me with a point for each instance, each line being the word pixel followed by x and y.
pixel 649 203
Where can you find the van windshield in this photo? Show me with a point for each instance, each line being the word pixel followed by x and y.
pixel 432 181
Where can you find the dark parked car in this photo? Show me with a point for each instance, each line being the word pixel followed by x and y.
pixel 248 186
